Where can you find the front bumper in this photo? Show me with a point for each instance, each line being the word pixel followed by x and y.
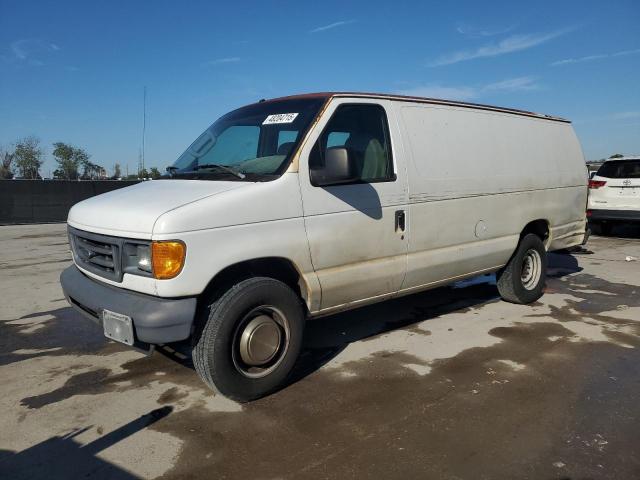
pixel 613 215
pixel 155 320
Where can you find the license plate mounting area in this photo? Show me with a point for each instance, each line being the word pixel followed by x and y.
pixel 117 327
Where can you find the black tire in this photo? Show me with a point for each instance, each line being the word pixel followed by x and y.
pixel 216 354
pixel 514 285
pixel 606 228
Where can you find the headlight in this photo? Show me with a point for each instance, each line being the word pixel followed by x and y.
pixel 160 259
pixel 143 255
pixel 137 258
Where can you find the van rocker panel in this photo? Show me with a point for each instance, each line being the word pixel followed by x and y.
pixel 155 320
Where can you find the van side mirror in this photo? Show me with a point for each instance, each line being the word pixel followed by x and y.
pixel 339 167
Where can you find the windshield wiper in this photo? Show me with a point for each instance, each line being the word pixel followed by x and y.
pixel 225 168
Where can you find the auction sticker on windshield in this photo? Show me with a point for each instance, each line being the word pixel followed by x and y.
pixel 280 118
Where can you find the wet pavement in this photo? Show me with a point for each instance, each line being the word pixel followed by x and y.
pixel 448 384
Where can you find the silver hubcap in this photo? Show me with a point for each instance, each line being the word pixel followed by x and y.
pixel 531 269
pixel 261 341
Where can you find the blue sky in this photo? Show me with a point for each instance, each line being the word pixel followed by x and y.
pixel 74 71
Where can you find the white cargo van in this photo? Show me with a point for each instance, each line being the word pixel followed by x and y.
pixel 307 205
pixel 614 193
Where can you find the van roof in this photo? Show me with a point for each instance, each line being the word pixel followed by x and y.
pixel 406 98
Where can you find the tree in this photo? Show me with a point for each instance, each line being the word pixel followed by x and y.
pixel 154 173
pixel 68 164
pixel 116 172
pixel 143 173
pixel 617 155
pixel 28 157
pixel 6 159
pixel 70 159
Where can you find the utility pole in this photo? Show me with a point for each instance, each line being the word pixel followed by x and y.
pixel 144 121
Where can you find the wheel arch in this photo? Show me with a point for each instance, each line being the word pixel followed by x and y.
pixel 539 227
pixel 278 268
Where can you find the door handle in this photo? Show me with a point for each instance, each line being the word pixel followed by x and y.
pixel 400 221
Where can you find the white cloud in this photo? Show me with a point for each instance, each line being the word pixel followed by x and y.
pixel 625 115
pixel 220 61
pixel 514 43
pixel 600 56
pixel 31 50
pixel 626 52
pixel 19 49
pixel 474 32
pixel 439 91
pixel 513 85
pixel 470 92
pixel 331 25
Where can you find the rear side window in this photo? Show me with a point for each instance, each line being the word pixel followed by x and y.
pixel 620 169
pixel 361 129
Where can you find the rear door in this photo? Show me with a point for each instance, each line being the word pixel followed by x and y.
pixel 356 231
pixel 616 186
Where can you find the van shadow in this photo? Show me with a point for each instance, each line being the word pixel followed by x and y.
pixel 53 332
pixel 361 196
pixel 326 337
pixel 62 457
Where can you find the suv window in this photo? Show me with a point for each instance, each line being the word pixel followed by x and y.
pixel 361 129
pixel 620 169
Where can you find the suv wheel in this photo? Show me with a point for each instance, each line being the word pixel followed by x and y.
pixel 606 228
pixel 251 339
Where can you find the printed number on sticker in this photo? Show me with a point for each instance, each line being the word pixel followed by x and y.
pixel 280 118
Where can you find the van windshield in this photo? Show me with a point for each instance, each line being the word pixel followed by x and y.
pixel 253 143
pixel 620 169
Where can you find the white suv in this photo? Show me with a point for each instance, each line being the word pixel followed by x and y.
pixel 614 193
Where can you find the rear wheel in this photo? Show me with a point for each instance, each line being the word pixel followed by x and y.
pixel 251 339
pixel 522 280
pixel 606 228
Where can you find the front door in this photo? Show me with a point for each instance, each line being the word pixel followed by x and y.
pixel 356 229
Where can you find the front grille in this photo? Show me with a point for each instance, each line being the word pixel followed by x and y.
pixel 99 254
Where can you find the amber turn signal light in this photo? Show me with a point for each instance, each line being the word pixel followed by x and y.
pixel 167 259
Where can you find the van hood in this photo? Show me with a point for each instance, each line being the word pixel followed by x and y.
pixel 133 211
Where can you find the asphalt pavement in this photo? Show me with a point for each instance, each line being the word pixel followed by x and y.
pixel 447 384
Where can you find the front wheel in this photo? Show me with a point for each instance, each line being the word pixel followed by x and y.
pixel 251 339
pixel 522 280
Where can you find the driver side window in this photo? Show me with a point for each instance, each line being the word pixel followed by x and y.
pixel 363 132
